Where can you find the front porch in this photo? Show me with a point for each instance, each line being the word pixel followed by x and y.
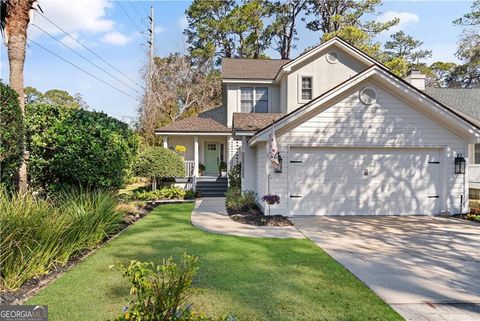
pixel 204 153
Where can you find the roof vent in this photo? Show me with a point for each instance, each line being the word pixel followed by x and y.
pixel 332 57
pixel 368 96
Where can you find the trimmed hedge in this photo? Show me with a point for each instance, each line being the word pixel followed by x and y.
pixel 12 131
pixel 159 162
pixel 78 147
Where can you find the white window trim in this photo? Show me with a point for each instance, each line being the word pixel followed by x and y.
pixel 239 97
pixel 299 87
pixel 474 150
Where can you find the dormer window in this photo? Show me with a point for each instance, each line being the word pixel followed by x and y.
pixel 307 88
pixel 254 99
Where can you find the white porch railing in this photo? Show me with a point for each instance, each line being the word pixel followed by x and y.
pixel 474 173
pixel 189 168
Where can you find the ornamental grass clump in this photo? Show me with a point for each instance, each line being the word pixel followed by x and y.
pixel 41 234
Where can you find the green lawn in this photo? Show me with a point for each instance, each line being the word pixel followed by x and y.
pixel 255 279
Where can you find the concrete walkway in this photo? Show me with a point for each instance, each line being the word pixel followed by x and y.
pixel 210 215
pixel 426 268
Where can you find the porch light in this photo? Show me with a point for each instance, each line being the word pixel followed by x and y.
pixel 279 168
pixel 460 164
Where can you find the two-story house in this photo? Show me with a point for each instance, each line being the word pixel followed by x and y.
pixel 354 138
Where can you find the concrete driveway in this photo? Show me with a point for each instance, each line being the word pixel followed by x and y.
pixel 426 268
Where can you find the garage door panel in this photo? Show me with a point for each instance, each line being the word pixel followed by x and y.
pixel 349 181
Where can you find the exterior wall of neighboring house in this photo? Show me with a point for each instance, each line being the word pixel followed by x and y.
pixel 326 73
pixel 233 98
pixel 349 123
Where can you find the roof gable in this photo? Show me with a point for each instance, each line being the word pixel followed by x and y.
pixel 334 42
pixel 444 114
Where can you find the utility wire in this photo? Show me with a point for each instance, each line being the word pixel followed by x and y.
pixel 88 73
pixel 94 53
pixel 85 58
pixel 129 17
pixel 136 11
pixel 145 9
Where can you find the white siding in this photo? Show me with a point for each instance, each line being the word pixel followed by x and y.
pixel 387 123
pixel 261 172
pixel 325 75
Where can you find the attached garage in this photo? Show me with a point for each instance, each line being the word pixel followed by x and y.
pixel 370 146
pixel 358 181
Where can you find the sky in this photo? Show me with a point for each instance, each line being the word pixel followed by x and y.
pixel 116 31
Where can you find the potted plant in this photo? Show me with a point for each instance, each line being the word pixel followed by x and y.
pixel 271 199
pixel 222 168
pixel 201 169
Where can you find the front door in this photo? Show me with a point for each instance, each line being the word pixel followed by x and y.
pixel 211 158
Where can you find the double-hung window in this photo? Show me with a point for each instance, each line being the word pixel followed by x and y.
pixel 254 99
pixel 307 89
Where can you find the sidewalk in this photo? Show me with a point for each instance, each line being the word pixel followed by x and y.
pixel 211 215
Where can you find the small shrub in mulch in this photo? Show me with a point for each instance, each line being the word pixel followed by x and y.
pixel 241 208
pixel 253 216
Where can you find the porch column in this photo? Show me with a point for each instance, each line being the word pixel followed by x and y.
pixel 165 141
pixel 195 155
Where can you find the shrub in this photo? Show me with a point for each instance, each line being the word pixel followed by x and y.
pixel 159 162
pixel 170 193
pixel 38 234
pixel 189 195
pixel 12 133
pixel 160 293
pixel 235 176
pixel 77 147
pixel 238 201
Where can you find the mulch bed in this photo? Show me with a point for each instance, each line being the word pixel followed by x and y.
pixel 32 286
pixel 255 217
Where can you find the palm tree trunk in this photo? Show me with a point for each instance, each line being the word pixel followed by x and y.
pixel 16 27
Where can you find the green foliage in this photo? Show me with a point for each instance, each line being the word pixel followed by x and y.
pixel 77 147
pixel 159 162
pixel 12 133
pixel 228 29
pixel 332 16
pixel 471 18
pixel 159 293
pixel 189 195
pixel 238 201
pixel 169 193
pixel 54 97
pixel 404 46
pixel 201 167
pixel 222 166
pixel 39 234
pixel 235 176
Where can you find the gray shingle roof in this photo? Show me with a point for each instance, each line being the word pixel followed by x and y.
pixel 237 68
pixel 466 101
pixel 254 121
pixel 213 120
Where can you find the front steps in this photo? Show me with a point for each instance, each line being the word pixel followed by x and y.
pixel 211 186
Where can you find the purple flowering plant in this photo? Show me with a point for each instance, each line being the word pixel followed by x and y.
pixel 271 199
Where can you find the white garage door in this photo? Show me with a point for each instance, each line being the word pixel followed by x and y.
pixel 350 181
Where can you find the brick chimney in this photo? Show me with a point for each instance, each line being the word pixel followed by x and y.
pixel 416 79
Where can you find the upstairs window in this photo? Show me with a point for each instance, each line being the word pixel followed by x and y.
pixel 254 99
pixel 476 155
pixel 307 89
